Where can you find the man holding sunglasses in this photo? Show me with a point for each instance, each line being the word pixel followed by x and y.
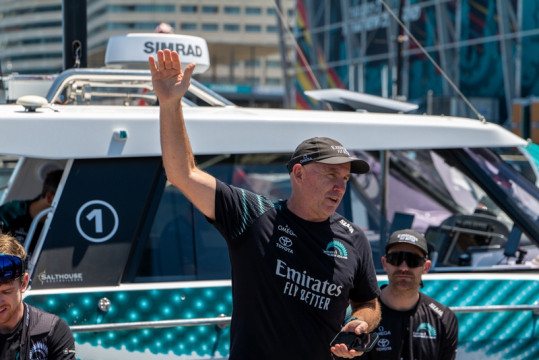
pixel 27 332
pixel 414 326
pixel 296 264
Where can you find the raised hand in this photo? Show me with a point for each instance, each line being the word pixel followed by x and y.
pixel 169 82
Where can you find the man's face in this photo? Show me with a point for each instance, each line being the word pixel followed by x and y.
pixel 11 307
pixel 323 187
pixel 402 276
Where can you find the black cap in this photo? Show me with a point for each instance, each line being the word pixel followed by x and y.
pixel 326 151
pixel 408 237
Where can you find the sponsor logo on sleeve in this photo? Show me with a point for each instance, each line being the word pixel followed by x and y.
pixel 436 309
pixel 347 225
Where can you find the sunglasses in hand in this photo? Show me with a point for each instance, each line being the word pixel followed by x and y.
pixel 361 342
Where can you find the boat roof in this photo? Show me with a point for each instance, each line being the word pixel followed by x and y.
pixel 361 101
pixel 69 131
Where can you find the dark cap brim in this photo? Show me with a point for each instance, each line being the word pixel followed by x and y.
pixel 357 166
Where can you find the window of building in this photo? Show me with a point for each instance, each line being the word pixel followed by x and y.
pixel 253 28
pixel 188 26
pixel 210 27
pixel 40 40
pixel 188 9
pixel 210 9
pixel 271 11
pixel 163 8
pixel 32 10
pixel 252 80
pixel 232 10
pixel 18 27
pixel 273 63
pixel 119 26
pixel 252 63
pixel 141 8
pixel 253 11
pixel 150 26
pixel 96 14
pixel 271 29
pixel 231 27
pixel 273 81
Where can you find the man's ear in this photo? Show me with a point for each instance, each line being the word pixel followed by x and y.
pixel 49 197
pixel 384 265
pixel 426 266
pixel 25 281
pixel 297 172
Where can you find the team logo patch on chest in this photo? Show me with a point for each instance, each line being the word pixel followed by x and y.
pixel 336 249
pixel 39 351
pixel 425 331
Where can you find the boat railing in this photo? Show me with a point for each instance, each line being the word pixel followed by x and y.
pixel 224 321
pixel 41 240
pixel 221 321
pixel 82 85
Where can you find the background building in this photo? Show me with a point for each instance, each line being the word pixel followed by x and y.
pixel 242 35
pixel 487 48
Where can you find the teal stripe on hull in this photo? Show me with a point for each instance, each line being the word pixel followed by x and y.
pixel 486 335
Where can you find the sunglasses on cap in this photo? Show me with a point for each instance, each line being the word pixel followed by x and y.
pixel 412 260
pixel 11 268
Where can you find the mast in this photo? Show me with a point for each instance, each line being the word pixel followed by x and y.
pixel 75 36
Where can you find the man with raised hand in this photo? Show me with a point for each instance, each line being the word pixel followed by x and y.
pixel 296 264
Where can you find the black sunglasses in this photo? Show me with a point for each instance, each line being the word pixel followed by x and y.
pixel 412 260
pixel 361 342
pixel 11 268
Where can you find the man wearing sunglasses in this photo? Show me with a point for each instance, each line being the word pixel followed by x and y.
pixel 414 326
pixel 27 332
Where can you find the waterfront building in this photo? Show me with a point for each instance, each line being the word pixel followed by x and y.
pixel 243 38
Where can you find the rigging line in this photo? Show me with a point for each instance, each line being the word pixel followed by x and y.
pixel 479 116
pixel 284 23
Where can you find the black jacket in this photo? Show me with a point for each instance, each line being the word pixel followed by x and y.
pixel 428 331
pixel 45 336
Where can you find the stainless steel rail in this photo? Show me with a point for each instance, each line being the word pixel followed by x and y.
pixel 224 321
pixel 221 321
pixel 496 308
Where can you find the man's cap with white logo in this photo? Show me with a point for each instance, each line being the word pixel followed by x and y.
pixel 326 151
pixel 408 236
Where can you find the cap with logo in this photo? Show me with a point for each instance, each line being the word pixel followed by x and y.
pixel 408 236
pixel 326 151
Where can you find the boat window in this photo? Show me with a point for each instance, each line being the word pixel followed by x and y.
pixel 182 244
pixel 7 164
pixel 519 159
pixel 463 224
pixel 514 186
